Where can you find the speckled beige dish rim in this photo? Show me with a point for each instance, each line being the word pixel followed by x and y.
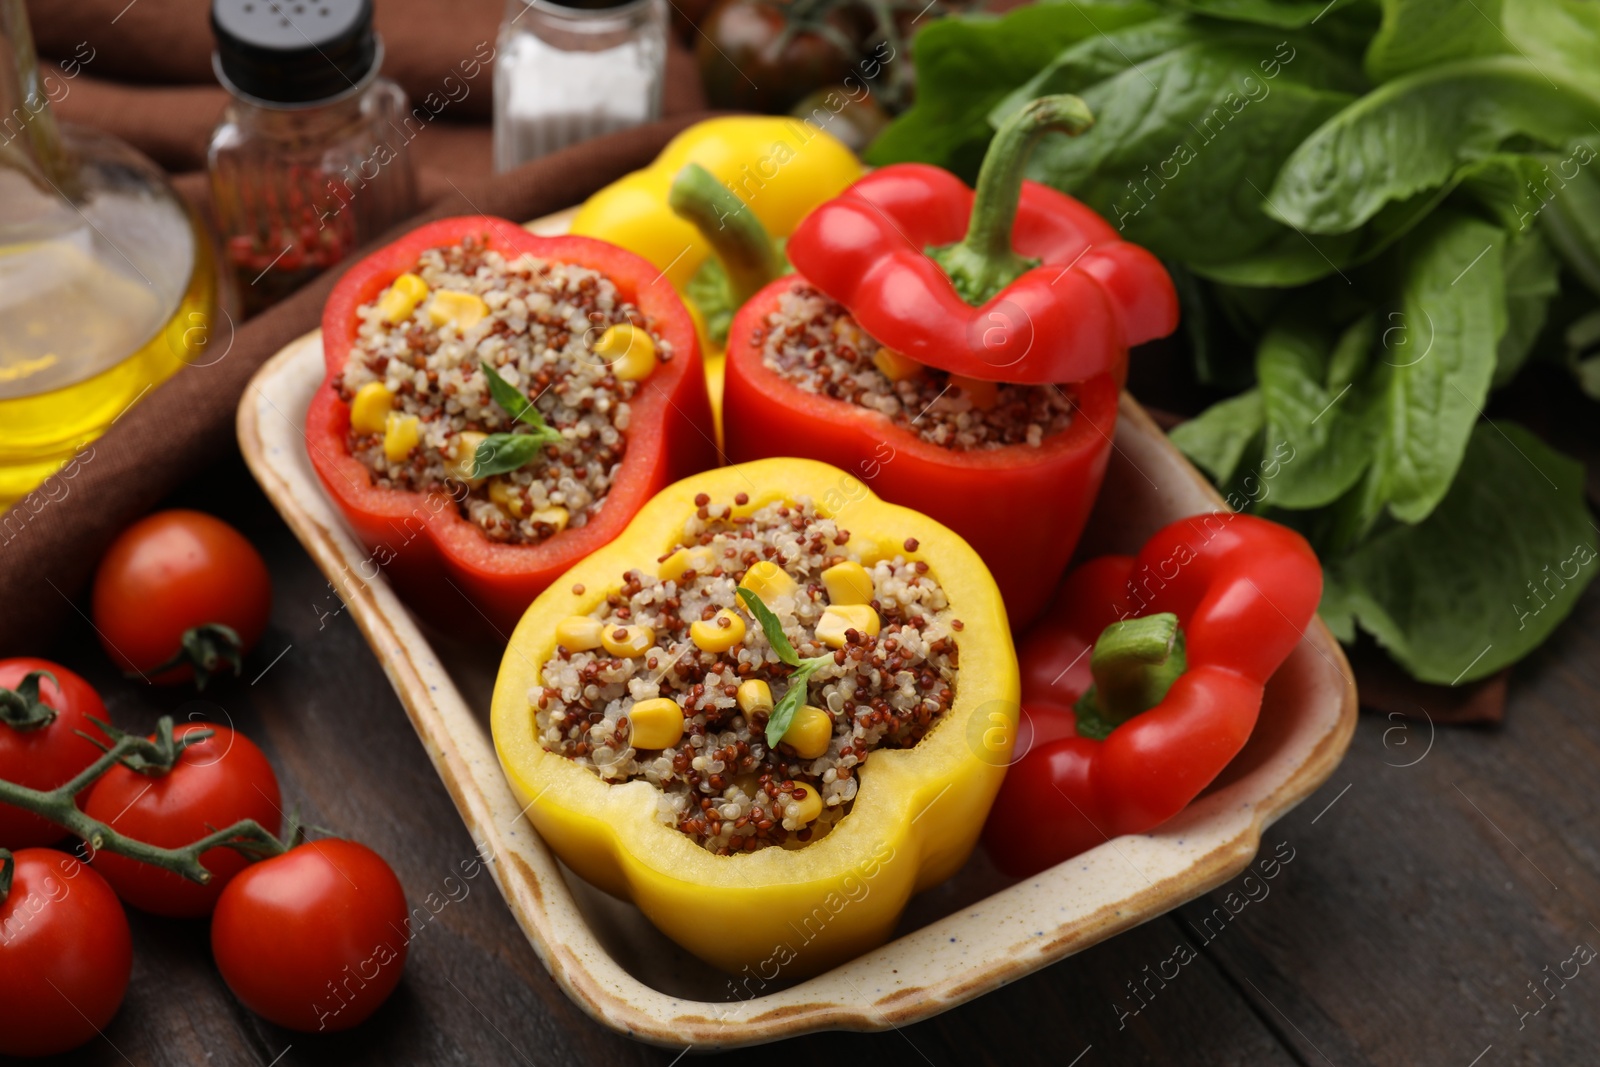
pixel 970 952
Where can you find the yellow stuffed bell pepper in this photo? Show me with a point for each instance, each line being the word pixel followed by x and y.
pixel 799 799
pixel 780 167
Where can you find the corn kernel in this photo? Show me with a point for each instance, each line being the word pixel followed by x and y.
pixel 842 617
pixel 629 352
pixel 400 436
pixel 717 634
pixel 809 733
pixel 401 298
pixel 465 457
pixel 627 641
pixel 768 581
pixel 579 633
pixel 657 723
pixel 982 394
pixel 894 366
pixel 552 516
pixel 810 805
pixel 702 559
pixel 370 407
pixel 848 583
pixel 508 498
pixel 754 695
pixel 466 310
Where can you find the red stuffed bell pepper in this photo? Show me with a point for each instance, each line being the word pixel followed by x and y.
pixel 1145 679
pixel 488 420
pixel 962 351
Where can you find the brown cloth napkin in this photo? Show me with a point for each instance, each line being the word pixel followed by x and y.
pixel 166 104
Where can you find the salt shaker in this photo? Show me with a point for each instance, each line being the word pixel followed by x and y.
pixel 568 71
pixel 310 158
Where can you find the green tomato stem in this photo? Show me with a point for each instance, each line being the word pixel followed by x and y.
pixel 743 245
pixel 60 807
pixel 209 648
pixel 1134 663
pixel 22 709
pixel 983 263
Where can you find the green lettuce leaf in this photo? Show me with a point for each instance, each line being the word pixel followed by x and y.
pixel 1438 355
pixel 1186 144
pixel 1413 136
pixel 967 64
pixel 1490 573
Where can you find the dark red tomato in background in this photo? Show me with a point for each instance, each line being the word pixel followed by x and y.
pixel 65 956
pixel 46 756
pixel 213 784
pixel 314 939
pixel 169 573
pixel 768 55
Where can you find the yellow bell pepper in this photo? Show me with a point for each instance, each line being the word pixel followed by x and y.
pixel 917 812
pixel 780 167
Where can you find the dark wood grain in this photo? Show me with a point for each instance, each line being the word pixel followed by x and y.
pixel 1402 931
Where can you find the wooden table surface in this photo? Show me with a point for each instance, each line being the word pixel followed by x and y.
pixel 1435 890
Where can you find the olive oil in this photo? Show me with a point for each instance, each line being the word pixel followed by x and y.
pixel 107 283
pixel 84 348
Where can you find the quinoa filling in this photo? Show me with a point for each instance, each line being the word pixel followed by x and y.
pixel 672 680
pixel 812 341
pixel 421 403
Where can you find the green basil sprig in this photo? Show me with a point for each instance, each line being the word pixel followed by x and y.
pixel 502 452
pixel 795 695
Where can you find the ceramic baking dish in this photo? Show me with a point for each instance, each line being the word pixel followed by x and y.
pixel 961 940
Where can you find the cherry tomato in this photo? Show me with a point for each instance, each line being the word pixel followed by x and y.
pixel 213 784
pixel 164 585
pixel 47 755
pixel 314 939
pixel 65 955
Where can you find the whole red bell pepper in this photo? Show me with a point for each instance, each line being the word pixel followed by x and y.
pixel 1145 679
pixel 928 269
pixel 443 564
pixel 1013 281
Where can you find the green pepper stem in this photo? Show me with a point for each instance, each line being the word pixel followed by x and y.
pixel 743 245
pixel 8 868
pixel 1134 664
pixel 984 262
pixel 60 806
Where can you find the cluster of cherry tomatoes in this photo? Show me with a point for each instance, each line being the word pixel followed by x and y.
pixel 289 932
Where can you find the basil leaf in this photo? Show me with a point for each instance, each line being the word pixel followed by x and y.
pixel 500 453
pixel 516 405
pixel 1216 440
pixel 771 627
pixel 504 393
pixel 1437 355
pixel 1186 144
pixel 783 714
pixel 966 64
pixel 1489 574
pixel 1412 136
